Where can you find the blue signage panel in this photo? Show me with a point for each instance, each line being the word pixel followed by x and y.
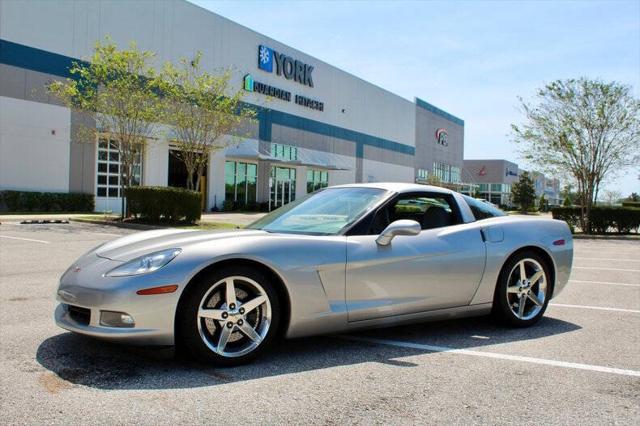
pixel 265 58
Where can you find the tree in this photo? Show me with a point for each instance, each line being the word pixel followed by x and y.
pixel 434 180
pixel 117 91
pixel 523 193
pixel 204 112
pixel 587 129
pixel 612 197
pixel 542 204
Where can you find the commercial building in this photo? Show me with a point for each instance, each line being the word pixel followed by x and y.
pixel 548 186
pixel 492 180
pixel 317 125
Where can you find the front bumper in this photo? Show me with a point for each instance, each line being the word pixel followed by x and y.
pixel 134 335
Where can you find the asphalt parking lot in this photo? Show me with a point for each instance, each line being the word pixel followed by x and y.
pixel 580 364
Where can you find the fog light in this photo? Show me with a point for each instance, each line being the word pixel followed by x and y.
pixel 116 319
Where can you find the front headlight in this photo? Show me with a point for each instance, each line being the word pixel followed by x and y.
pixel 144 264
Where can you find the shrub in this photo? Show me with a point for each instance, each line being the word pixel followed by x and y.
pixel 631 204
pixel 155 204
pixel 230 206
pixel 27 201
pixel 603 218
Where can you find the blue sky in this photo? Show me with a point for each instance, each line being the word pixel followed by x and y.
pixel 470 58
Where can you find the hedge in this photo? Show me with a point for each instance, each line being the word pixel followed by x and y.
pixel 603 219
pixel 157 203
pixel 230 206
pixel 26 201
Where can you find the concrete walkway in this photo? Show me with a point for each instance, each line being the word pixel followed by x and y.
pixel 44 216
pixel 241 219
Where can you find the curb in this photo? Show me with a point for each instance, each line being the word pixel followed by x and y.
pixel 43 222
pixel 607 237
pixel 137 226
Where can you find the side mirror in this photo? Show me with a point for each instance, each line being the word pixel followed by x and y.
pixel 399 227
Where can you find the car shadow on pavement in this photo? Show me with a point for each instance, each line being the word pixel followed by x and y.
pixel 85 361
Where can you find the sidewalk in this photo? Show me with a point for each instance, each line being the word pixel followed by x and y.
pixel 237 219
pixel 241 219
pixel 44 216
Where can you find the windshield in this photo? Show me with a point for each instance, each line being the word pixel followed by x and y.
pixel 327 212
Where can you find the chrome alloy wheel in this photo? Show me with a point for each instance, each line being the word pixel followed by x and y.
pixel 526 289
pixel 234 316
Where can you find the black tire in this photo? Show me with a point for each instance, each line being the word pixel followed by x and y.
pixel 503 308
pixel 188 322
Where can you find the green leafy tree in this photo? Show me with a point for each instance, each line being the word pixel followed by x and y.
pixel 542 203
pixel 568 195
pixel 433 180
pixel 116 91
pixel 586 129
pixel 205 112
pixel 523 193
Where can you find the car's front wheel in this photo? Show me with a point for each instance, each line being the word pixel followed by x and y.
pixel 228 317
pixel 523 290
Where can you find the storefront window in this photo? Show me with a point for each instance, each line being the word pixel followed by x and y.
pixel 230 180
pixel 283 186
pixel 240 182
pixel 446 173
pixel 284 152
pixel 108 174
pixel 316 179
pixel 496 187
pixel 455 174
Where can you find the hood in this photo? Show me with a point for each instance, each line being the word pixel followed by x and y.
pixel 129 247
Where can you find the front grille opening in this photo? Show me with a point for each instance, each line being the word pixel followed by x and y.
pixel 79 315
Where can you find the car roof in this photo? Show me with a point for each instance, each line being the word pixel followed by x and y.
pixel 400 187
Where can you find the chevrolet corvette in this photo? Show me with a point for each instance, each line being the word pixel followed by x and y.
pixel 343 258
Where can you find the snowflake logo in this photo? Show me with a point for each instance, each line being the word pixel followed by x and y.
pixel 265 58
pixel 264 55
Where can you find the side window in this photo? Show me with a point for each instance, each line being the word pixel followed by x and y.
pixel 429 210
pixel 481 209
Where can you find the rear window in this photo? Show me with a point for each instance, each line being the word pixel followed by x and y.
pixel 482 210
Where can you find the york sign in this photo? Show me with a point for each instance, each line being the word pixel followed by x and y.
pixel 290 68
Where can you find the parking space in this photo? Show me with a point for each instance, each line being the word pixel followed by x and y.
pixel 580 364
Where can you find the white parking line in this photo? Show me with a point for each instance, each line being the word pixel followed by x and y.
pixel 607 259
pixel 543 361
pixel 598 308
pixel 605 283
pixel 25 239
pixel 606 269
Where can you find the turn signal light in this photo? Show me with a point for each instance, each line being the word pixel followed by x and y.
pixel 558 243
pixel 158 290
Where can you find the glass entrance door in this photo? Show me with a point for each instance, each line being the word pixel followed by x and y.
pixel 283 186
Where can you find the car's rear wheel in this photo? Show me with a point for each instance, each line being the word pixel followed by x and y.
pixel 523 290
pixel 229 317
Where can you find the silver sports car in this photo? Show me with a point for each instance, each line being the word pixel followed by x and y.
pixel 343 258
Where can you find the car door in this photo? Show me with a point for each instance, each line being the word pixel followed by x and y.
pixel 439 268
